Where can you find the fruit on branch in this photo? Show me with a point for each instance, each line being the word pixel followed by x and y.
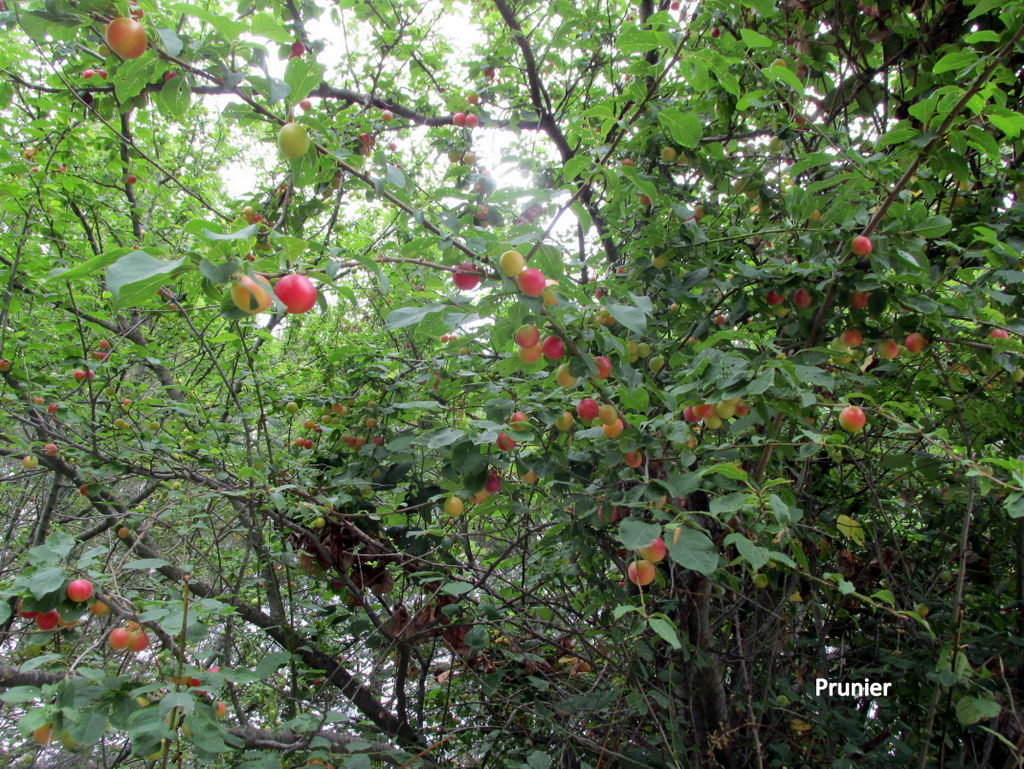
pixel 292 140
pixel 459 118
pixel 852 337
pixel 466 276
pixel 527 336
pixel 519 421
pixel 999 333
pixel 564 377
pixel 126 37
pixel 137 640
pixel 588 409
pixel 296 292
pixel 660 262
pixel 604 367
pixel 774 298
pixel 531 281
pixel 251 294
pixel 530 354
pixel 607 414
pixel 861 245
pixel 656 364
pixel 859 299
pixel 80 375
pixel 504 442
pixel 614 429
pixel 641 572
pixel 511 263
pixel 888 349
pixel 553 348
pixel 852 419
pixel 43 735
pixel 454 507
pixel 493 483
pixel 5 365
pixel 50 449
pixel 298 48
pixel 48 620
pixel 291 407
pixel 564 421
pixel 669 154
pixel 654 552
pixel 633 459
pixel 29 462
pixel 99 608
pixel 79 590
pixel 915 342
pixel 472 121
pixel 803 298
pixel 220 710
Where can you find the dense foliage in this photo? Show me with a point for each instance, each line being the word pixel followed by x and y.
pixel 389 531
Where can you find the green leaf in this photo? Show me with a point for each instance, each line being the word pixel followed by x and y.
pixel 666 630
pixel 693 550
pixel 456 588
pixel 136 271
pixel 753 39
pixel 404 317
pixel 634 533
pixel 575 166
pixel 303 74
pixel 169 41
pixel 538 760
pixel 46 581
pixel 145 563
pixel 970 710
pixel 684 127
pixel 954 61
pixel 18 694
pixel 173 98
pixel 269 664
pixel 932 227
pixel 850 528
pixel 218 274
pixel 632 318
pixel 755 555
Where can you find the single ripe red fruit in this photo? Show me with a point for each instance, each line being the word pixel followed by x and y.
pixel 306 105
pixel 386 115
pixel 527 336
pixel 48 620
pixel 802 298
pixel 852 337
pixel 80 375
pixel 519 421
pixel 531 281
pixel 999 333
pixel 888 349
pixel 604 367
pixel 104 344
pixel 587 409
pixel 774 298
pixel 715 32
pixel 852 419
pixel 118 638
pixel 466 276
pixel 654 552
pixel 645 200
pixel 80 590
pixel 504 442
pixel 50 449
pixel 459 118
pixel 704 410
pixel 472 121
pixel 641 573
pixel 915 342
pixel 634 459
pixel 298 48
pixel 861 245
pixel 859 299
pixel 552 347
pixel 493 484
pixel 296 292
pixel 690 415
pixel 87 73
pixel 52 408
pixel 126 37
pixel 137 640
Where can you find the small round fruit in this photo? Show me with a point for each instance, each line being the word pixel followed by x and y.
pixel 587 409
pixel 915 342
pixel 614 429
pixel 634 459
pixel 654 552
pixel 527 336
pixel 530 476
pixel 859 299
pixel 656 363
pixel 99 608
pixel 852 337
pixel 387 115
pixel 504 442
pixel 454 507
pixel 5 365
pixel 564 377
pixel 305 105
pixel 137 640
pixel 607 414
pixel 803 298
pixel 530 354
pixel 852 419
pixel 466 276
pixel 291 407
pixel 888 349
pixel 118 638
pixel 126 38
pixel 30 462
pixel 641 572
pixel 220 710
pixel 48 620
pixel 511 263
pixel 296 292
pixel 760 580
pixel 553 348
pixel 774 298
pixel 251 294
pixel 459 119
pixel 292 140
pixel 472 121
pixel 519 421
pixel 50 449
pixel 564 421
pixel 80 590
pixel 861 245
pixel 669 154
pixel 999 333
pixel 531 281
pixel 43 734
pixel 604 367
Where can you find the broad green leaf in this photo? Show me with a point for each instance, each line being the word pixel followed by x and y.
pixel 137 268
pixel 850 528
pixel 684 127
pixel 693 549
pixel 666 630
pixel 634 533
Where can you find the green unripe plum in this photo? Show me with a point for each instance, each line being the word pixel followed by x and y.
pixel 292 140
